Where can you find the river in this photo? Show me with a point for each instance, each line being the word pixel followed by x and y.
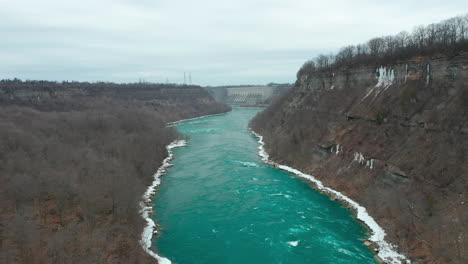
pixel 220 204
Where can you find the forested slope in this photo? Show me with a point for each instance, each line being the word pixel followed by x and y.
pixel 75 159
pixel 390 130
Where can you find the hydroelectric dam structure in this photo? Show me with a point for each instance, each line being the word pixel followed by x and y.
pixel 248 95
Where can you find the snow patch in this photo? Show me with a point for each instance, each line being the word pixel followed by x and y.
pixel 387 251
pixel 358 157
pixel 385 78
pixel 370 164
pixel 145 206
pixel 336 149
pixel 406 73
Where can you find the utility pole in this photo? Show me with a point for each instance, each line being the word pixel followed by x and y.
pixel 185 79
pixel 190 79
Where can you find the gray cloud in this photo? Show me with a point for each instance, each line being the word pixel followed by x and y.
pixel 219 42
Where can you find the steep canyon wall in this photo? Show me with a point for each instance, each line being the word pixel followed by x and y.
pixel 392 137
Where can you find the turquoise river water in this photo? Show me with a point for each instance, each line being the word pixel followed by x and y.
pixel 220 204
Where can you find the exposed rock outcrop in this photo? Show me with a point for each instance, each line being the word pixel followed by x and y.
pixel 393 138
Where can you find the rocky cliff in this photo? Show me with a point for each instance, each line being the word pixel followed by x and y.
pixel 174 102
pixel 392 137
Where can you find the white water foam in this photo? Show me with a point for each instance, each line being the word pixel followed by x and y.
pixel 293 243
pixel 146 208
pixel 387 251
pixel 281 194
pixel 176 123
pixel 246 163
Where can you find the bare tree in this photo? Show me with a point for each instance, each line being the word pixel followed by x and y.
pixel 448 37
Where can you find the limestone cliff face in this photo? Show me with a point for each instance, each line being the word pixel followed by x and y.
pixel 392 137
pixel 175 102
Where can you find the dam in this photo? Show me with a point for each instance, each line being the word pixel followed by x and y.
pixel 248 95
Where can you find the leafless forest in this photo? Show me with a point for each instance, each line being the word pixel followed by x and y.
pixel 74 161
pixel 448 37
pixel 412 132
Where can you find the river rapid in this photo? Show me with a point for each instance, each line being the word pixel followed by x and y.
pixel 220 204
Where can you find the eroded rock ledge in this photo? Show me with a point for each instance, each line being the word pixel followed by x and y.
pixel 393 138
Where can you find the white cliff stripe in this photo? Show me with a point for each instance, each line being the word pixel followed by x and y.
pixel 145 205
pixel 385 79
pixel 387 251
pixel 359 157
pixel 406 73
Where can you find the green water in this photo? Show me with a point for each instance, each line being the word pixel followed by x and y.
pixel 220 204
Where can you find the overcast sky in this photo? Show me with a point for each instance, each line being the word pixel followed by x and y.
pixel 219 42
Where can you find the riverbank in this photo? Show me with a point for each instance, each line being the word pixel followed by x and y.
pixel 398 149
pixel 386 251
pixel 146 208
pixel 76 159
pixel 219 195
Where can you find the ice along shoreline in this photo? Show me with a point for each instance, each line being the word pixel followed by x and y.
pixel 387 251
pixel 146 209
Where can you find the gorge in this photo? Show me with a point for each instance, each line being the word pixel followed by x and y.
pixel 392 138
pixel 364 159
pixel 219 204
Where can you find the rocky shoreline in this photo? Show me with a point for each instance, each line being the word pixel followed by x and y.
pixel 392 138
pixel 384 251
